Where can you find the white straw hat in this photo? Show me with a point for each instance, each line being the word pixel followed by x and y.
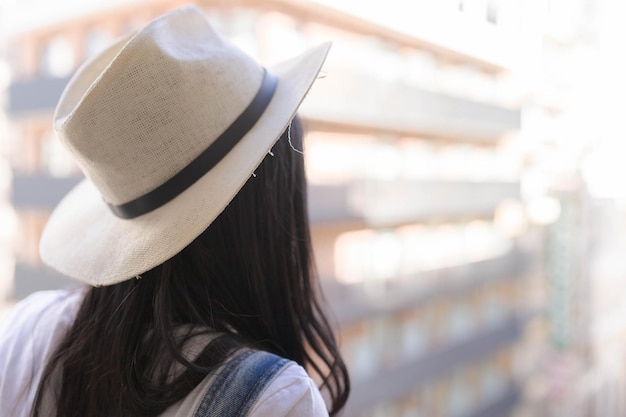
pixel 167 125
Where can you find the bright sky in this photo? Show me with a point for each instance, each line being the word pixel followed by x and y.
pixel 18 15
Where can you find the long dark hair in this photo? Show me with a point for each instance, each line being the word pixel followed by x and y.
pixel 250 276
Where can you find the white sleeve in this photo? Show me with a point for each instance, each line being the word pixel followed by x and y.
pixel 291 394
pixel 28 336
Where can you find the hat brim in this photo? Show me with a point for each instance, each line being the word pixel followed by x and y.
pixel 84 240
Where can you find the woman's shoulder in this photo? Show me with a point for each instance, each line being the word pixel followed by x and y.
pixel 34 326
pixel 43 311
pixel 292 393
pixel 28 335
pixel 280 388
pixel 270 385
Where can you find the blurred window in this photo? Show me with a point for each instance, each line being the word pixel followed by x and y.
pixel 57 58
pixel 492 11
pixel 96 41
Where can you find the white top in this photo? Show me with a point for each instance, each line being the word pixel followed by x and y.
pixel 36 325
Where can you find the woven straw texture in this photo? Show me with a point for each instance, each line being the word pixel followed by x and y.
pixel 136 115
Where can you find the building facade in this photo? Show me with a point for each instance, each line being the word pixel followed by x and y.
pixel 415 159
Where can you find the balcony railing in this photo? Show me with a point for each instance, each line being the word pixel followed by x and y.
pixel 394 202
pixel 40 191
pixel 35 95
pixel 353 303
pixel 361 100
pixel 401 380
pixel 31 278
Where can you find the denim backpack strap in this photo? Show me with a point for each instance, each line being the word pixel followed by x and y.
pixel 238 385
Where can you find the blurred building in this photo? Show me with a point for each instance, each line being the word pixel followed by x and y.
pixel 432 261
pixel 575 134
